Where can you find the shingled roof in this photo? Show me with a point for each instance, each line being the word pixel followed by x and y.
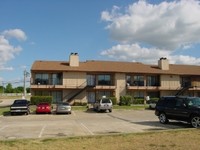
pixel 114 66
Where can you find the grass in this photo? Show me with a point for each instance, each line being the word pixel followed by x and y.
pixel 4 110
pixel 173 139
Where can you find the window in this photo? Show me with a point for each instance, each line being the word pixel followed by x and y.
pixel 171 102
pixel 139 94
pixel 42 79
pixel 152 81
pixel 91 80
pixel 99 94
pixel 153 94
pixel 56 79
pixel 104 80
pixel 57 96
pixel 42 93
pixel 138 80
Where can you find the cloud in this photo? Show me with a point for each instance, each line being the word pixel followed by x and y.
pixel 181 59
pixel 135 53
pixel 15 33
pixel 7 50
pixel 164 27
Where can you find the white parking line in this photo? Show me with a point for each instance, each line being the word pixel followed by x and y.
pixel 3 128
pixel 41 132
pixel 87 129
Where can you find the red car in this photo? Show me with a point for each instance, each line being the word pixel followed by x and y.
pixel 43 108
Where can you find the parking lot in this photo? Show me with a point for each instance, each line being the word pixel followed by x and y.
pixel 81 123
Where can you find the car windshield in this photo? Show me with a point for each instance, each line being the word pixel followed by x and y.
pixel 105 100
pixel 43 104
pixel 66 104
pixel 195 101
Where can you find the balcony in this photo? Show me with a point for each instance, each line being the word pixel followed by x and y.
pixel 105 87
pixel 57 86
pixel 143 87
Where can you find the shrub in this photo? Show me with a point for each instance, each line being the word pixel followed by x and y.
pixel 114 100
pixel 138 101
pixel 39 99
pixel 125 100
pixel 79 104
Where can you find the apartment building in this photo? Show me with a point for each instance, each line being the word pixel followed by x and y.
pixel 87 81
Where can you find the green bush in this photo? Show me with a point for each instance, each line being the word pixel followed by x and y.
pixel 125 100
pixel 39 99
pixel 138 101
pixel 114 100
pixel 79 104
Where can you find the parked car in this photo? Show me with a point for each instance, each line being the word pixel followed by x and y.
pixel 103 104
pixel 20 106
pixel 179 108
pixel 43 108
pixel 152 104
pixel 63 107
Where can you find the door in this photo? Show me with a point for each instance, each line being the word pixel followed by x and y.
pixel 91 97
pixel 91 80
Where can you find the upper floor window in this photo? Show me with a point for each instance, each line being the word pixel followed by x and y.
pixel 41 78
pixel 152 81
pixel 135 80
pixel 56 78
pixel 104 80
pixel 48 79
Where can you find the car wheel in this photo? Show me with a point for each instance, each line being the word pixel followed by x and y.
pixel 195 121
pixel 98 109
pixel 163 118
pixel 110 110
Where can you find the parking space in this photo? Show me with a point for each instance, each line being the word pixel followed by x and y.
pixel 81 123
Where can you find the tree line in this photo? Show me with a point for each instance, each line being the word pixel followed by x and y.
pixel 10 89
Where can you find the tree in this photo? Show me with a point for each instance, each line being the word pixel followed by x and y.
pixel 1 89
pixel 9 88
pixel 18 89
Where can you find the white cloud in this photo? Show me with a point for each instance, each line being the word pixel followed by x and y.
pixel 15 33
pixel 164 27
pixel 7 50
pixel 181 59
pixel 135 53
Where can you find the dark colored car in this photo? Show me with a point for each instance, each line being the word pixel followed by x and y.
pixel 43 108
pixel 20 106
pixel 179 108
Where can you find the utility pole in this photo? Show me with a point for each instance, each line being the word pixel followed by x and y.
pixel 25 75
pixel 24 96
pixel 3 86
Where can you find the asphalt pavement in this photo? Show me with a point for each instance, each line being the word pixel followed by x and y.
pixel 81 123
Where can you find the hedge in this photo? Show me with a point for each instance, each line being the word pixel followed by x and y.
pixel 114 100
pixel 39 99
pixel 125 100
pixel 138 101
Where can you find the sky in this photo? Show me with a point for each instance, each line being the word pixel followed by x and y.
pixel 110 30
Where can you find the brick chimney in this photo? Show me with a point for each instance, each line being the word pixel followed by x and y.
pixel 74 60
pixel 163 63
